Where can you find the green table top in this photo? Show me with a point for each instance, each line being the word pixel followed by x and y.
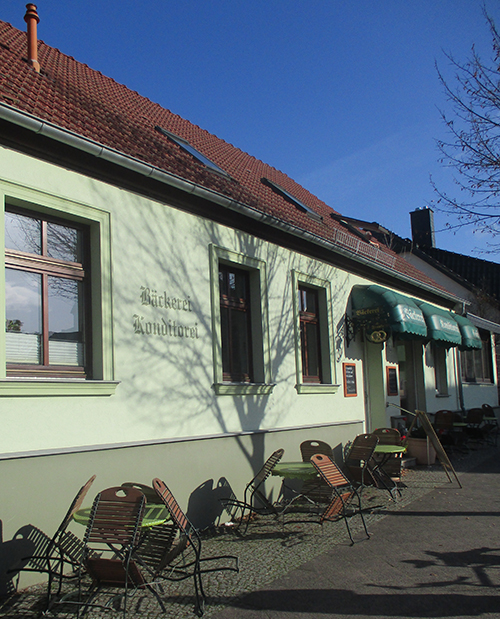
pixel 390 449
pixel 294 470
pixel 154 515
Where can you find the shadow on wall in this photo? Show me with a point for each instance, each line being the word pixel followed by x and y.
pixel 205 506
pixel 14 555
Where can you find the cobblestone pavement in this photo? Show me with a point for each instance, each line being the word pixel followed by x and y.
pixel 265 553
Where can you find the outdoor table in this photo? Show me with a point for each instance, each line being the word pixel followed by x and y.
pixel 154 515
pixel 377 469
pixel 294 470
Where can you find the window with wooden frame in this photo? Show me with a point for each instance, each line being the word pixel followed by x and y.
pixel 46 296
pixel 310 342
pixel 313 326
pixel 235 317
pixel 477 365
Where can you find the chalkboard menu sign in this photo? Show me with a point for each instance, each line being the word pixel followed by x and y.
pixel 350 387
pixel 392 381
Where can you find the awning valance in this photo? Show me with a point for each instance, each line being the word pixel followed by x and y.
pixel 375 305
pixel 470 334
pixel 441 326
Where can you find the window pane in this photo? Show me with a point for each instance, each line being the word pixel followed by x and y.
pixel 23 233
pixel 312 349
pixel 240 348
pixel 237 284
pixel 65 332
pixel 226 342
pixel 478 365
pixel 63 242
pixel 23 304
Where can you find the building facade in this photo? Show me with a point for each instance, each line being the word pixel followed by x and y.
pixel 175 308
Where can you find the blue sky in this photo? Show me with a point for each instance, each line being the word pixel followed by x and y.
pixel 341 96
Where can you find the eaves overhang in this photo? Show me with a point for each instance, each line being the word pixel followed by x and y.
pixel 73 140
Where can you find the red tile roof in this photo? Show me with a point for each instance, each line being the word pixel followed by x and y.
pixel 73 96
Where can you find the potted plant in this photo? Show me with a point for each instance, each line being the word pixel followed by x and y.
pixel 419 447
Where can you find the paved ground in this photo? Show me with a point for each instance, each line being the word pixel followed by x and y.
pixel 436 553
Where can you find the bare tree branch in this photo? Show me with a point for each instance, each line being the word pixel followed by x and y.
pixel 473 148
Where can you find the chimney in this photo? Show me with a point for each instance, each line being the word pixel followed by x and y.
pixel 422 227
pixel 32 19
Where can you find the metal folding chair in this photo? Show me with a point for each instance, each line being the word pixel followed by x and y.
pixel 247 508
pixel 316 489
pixel 57 554
pixel 357 461
pixel 343 493
pixel 111 540
pixel 184 559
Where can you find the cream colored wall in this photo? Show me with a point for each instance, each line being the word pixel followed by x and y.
pixel 165 389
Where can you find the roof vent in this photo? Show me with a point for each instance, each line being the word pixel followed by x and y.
pixel 31 18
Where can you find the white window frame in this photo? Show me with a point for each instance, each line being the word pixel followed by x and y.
pixel 260 323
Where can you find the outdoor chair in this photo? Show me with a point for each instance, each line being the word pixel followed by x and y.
pixel 342 494
pixel 449 429
pixel 311 448
pixel 182 559
pixel 358 458
pixel 490 425
pixel 393 466
pixel 58 556
pixel 474 428
pixel 147 491
pixel 315 489
pixel 111 540
pixel 247 508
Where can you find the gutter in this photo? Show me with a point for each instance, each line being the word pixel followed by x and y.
pixel 482 323
pixel 74 140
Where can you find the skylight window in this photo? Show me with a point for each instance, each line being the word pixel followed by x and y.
pixel 185 145
pixel 288 196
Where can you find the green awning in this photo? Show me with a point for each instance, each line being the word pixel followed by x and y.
pixel 378 306
pixel 441 326
pixel 470 334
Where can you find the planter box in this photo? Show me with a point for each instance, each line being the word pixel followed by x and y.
pixel 417 448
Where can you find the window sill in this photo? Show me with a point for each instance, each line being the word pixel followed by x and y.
pixel 12 387
pixel 243 388
pixel 316 388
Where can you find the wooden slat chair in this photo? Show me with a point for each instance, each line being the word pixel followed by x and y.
pixel 474 428
pixel 111 540
pixel 55 555
pixel 242 511
pixel 316 489
pixel 183 559
pixel 343 494
pixel 358 458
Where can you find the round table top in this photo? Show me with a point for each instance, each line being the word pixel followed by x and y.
pixel 154 515
pixel 390 449
pixel 294 470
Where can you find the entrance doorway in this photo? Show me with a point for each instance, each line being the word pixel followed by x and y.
pixel 411 375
